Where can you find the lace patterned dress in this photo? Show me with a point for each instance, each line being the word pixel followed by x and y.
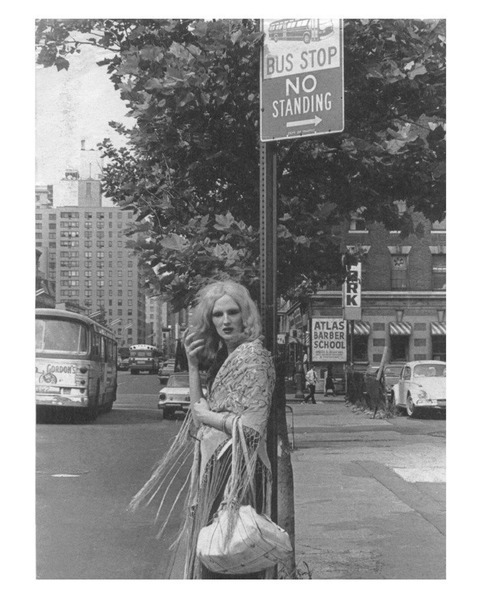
pixel 243 386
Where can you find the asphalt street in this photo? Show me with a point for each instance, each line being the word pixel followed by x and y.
pixel 369 494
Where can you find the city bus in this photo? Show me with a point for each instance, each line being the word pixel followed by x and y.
pixel 75 362
pixel 306 30
pixel 144 357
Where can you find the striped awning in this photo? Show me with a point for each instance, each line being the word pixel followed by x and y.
pixel 401 328
pixel 437 329
pixel 361 328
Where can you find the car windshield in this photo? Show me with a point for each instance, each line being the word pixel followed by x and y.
pixel 429 370
pixel 178 381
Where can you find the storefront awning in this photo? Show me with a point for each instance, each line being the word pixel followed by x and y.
pixel 361 328
pixel 401 328
pixel 437 329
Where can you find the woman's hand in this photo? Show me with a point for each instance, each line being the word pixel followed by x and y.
pixel 200 409
pixel 193 347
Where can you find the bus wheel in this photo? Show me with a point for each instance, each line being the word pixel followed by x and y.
pixel 93 410
pixel 307 38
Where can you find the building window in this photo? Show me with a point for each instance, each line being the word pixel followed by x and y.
pixel 38 216
pixel 38 226
pixel 38 236
pixel 52 217
pixel 399 272
pixel 439 271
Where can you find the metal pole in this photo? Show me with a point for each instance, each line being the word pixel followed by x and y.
pixel 268 269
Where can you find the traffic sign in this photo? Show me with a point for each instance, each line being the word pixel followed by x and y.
pixel 301 78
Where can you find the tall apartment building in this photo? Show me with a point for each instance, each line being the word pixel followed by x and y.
pixel 84 251
pixel 166 327
pixel 403 297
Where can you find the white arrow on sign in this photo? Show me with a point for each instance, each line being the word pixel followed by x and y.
pixel 315 121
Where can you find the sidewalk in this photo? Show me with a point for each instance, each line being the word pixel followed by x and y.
pixel 369 501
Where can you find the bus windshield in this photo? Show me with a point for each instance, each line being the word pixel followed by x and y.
pixel 143 353
pixel 60 335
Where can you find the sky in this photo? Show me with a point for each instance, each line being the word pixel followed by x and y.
pixel 69 106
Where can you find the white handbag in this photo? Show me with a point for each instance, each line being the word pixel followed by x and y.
pixel 256 542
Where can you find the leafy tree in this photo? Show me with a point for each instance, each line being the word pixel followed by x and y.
pixel 190 168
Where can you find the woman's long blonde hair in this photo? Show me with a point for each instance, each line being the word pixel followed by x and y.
pixel 202 323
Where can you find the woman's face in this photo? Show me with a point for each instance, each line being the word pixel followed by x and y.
pixel 227 320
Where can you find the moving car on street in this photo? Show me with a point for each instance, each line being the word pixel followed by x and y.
pixel 421 386
pixel 123 359
pixel 175 397
pixel 166 369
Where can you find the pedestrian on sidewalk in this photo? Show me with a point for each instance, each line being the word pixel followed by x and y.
pixel 311 380
pixel 225 336
pixel 329 383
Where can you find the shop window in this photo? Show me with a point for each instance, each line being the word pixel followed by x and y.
pixel 399 347
pixel 360 348
pixel 439 345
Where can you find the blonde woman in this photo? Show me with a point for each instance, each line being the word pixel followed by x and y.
pixel 225 334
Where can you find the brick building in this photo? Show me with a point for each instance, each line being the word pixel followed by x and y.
pixel 403 297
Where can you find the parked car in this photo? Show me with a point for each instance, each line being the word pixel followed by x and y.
pixel 391 375
pixel 421 386
pixel 175 397
pixel 166 369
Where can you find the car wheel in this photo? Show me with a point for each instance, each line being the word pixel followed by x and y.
pixel 412 410
pixel 168 413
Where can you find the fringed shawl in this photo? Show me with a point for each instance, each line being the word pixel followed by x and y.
pixel 243 386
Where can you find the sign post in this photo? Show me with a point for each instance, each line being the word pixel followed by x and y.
pixel 301 78
pixel 301 95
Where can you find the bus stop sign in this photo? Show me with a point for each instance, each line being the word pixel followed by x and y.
pixel 301 78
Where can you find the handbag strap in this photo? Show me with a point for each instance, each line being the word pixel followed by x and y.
pixel 238 436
